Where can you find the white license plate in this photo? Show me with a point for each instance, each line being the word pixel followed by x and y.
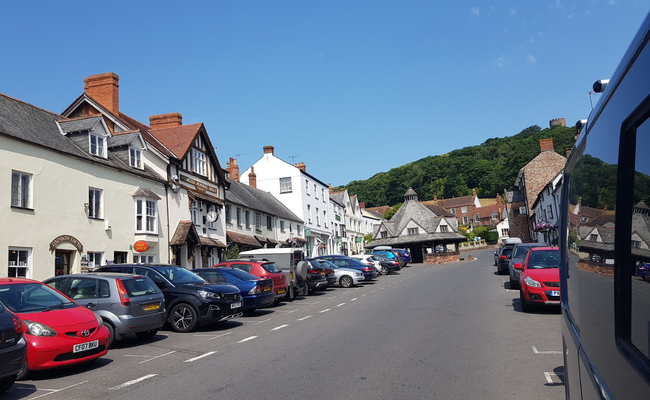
pixel 235 305
pixel 85 346
pixel 555 292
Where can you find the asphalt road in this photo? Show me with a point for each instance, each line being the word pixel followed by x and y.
pixel 447 331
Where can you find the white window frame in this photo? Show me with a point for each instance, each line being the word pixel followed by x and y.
pixel 258 221
pixel 549 211
pixel 463 210
pixel 247 218
pixel 144 259
pixel 239 217
pixel 21 189
pixel 228 213
pixel 146 216
pixel 444 228
pixel 21 263
pixel 282 226
pixel 317 217
pixel 309 213
pixel 95 259
pixel 465 220
pixel 307 187
pixel 95 203
pixel 315 191
pixel 452 210
pixel 135 157
pixel 285 185
pixel 198 162
pixel 97 144
pixel 413 231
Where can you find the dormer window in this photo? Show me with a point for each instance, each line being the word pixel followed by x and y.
pixel 135 158
pixel 198 162
pixel 97 145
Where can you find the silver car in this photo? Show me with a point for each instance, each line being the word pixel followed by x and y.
pixel 518 254
pixel 346 277
pixel 127 303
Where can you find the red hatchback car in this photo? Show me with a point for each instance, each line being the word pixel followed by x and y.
pixel 539 279
pixel 264 269
pixel 59 332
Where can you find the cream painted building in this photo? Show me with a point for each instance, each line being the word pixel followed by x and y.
pixel 75 195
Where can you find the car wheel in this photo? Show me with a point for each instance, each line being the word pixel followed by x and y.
pixel 385 270
pixel 147 334
pixel 525 305
pixel 6 383
pixel 346 281
pixel 183 318
pixel 111 334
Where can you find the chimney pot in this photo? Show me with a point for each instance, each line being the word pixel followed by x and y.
pixel 104 89
pixel 546 144
pixel 252 178
pixel 269 150
pixel 301 166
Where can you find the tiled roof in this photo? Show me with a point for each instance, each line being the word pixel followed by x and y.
pixel 242 239
pixel 178 139
pixel 381 210
pixel 183 229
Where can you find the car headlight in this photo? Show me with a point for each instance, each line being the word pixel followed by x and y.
pixel 38 329
pixel 531 282
pixel 209 295
pixel 99 319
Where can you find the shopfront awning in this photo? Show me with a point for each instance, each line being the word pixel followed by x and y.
pixel 211 242
pixel 242 239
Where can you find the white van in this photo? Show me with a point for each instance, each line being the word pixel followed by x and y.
pixel 289 261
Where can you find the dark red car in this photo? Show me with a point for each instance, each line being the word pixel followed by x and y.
pixel 539 278
pixel 264 269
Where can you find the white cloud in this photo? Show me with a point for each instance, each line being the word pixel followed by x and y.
pixel 500 62
pixel 474 10
pixel 512 12
pixel 531 59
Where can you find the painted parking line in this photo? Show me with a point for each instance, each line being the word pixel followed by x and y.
pixel 286 311
pixel 339 305
pixel 325 310
pixel 212 337
pixel 133 382
pixel 549 377
pixel 261 322
pixel 545 352
pixel 149 358
pixel 200 357
pixel 280 327
pixel 49 391
pixel 247 339
pixel 304 318
pixel 354 299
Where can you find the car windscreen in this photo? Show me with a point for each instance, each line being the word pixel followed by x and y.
pixel 139 286
pixel 506 251
pixel 178 275
pixel 32 297
pixel 520 251
pixel 543 259
pixel 327 264
pixel 271 268
pixel 243 275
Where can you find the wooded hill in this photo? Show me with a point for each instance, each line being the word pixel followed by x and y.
pixel 489 168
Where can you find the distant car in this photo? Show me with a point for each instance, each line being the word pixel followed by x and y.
pixel 13 347
pixel 346 277
pixel 127 303
pixel 317 276
pixel 59 332
pixel 369 273
pixel 264 269
pixel 369 260
pixel 406 255
pixel 518 253
pixel 190 300
pixel 503 264
pixel 391 255
pixel 539 278
pixel 256 292
pixel 642 270
pixel 386 266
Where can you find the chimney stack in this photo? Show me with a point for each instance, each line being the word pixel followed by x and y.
pixel 546 145
pixel 233 169
pixel 301 166
pixel 252 178
pixel 165 121
pixel 104 89
pixel 362 205
pixel 269 150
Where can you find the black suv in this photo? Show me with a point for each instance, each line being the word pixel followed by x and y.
pixel 190 300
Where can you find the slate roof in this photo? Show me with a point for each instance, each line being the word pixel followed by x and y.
pixel 79 124
pixel 27 123
pixel 338 197
pixel 256 199
pixel 437 210
pixel 123 139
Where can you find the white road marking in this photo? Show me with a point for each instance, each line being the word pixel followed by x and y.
pixel 162 355
pixel 354 299
pixel 304 318
pixel 201 356
pixel 50 391
pixel 286 312
pixel 280 327
pixel 365 294
pixel 548 375
pixel 261 322
pixel 133 382
pixel 247 339
pixel 339 305
pixel 212 337
pixel 545 352
pixel 325 310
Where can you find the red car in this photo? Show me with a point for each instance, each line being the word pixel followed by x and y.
pixel 264 269
pixel 539 279
pixel 59 332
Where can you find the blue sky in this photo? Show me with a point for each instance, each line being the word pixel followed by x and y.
pixel 350 88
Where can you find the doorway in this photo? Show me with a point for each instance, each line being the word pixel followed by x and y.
pixel 62 262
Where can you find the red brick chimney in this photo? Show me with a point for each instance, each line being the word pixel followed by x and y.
pixel 301 166
pixel 362 204
pixel 165 121
pixel 269 150
pixel 233 169
pixel 104 89
pixel 252 178
pixel 546 145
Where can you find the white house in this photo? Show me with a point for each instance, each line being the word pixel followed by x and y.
pixel 353 221
pixel 337 243
pixel 77 194
pixel 302 193
pixel 546 210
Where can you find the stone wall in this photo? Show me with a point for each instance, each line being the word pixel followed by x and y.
pixel 441 258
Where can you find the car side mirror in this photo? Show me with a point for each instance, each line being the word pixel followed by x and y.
pixel 518 266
